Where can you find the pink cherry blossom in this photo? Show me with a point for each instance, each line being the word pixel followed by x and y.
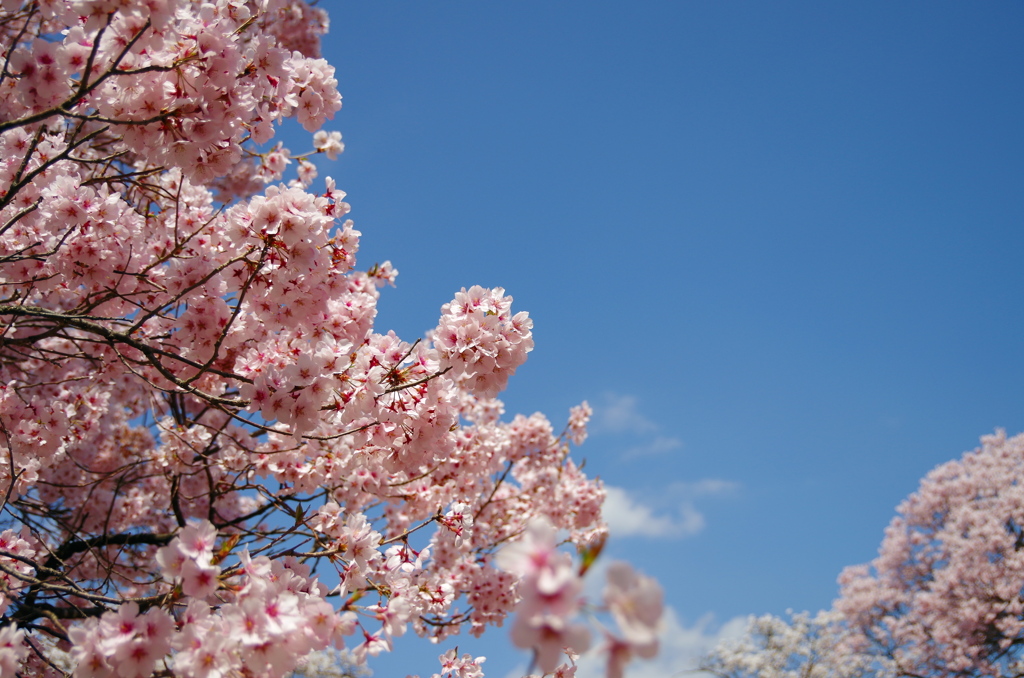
pixel 329 143
pixel 13 650
pixel 636 603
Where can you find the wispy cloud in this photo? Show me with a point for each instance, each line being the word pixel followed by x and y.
pixel 708 487
pixel 659 445
pixel 618 413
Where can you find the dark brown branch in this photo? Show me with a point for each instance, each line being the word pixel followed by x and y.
pixel 70 548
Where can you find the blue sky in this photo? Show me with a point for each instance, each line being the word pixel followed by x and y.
pixel 777 246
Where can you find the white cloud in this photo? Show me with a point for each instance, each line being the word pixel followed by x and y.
pixel 628 518
pixel 682 648
pixel 619 414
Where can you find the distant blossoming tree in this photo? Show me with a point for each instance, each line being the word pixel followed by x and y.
pixel 944 597
pixel 211 465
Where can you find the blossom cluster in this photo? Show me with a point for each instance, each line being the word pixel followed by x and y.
pixel 196 410
pixel 550 596
pixel 550 590
pixel 188 560
pixel 480 339
pixel 275 615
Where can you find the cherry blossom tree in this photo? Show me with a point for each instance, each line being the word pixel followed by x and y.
pixel 211 464
pixel 944 597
